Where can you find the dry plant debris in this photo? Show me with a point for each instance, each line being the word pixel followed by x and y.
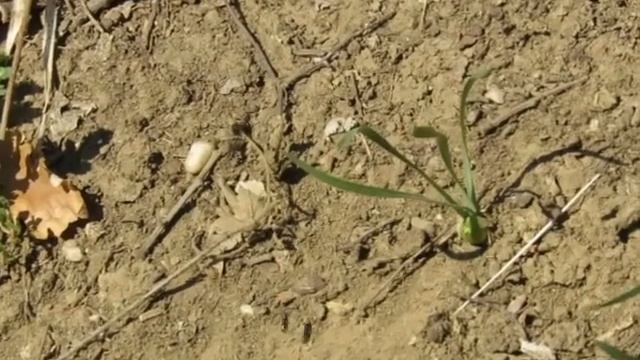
pixel 46 203
pixel 240 207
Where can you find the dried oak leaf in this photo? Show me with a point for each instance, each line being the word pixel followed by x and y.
pixel 46 203
pixel 239 208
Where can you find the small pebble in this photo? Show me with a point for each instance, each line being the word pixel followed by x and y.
pixel 424 225
pixel 494 94
pixel 339 308
pixel 308 285
pixel 71 251
pixel 517 304
pixel 197 157
pixel 246 309
pixel 522 200
pixel 229 86
pixel 604 100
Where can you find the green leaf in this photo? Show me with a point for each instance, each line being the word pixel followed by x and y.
pixel 357 188
pixel 443 147
pixel 383 143
pixel 463 103
pixel 614 352
pixel 623 297
pixel 469 181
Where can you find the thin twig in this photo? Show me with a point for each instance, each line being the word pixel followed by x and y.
pixel 159 286
pixel 529 244
pixel 154 238
pixel 50 36
pixel 15 66
pixel 307 71
pixel 528 104
pixel 263 59
pixel 361 112
pixel 423 16
pixel 385 286
pixel 148 28
pixel 237 18
pixel 92 18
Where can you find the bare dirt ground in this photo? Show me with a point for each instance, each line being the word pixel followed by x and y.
pixel 197 74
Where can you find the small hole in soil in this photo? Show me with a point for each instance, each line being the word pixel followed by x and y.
pixel 625 233
pixel 292 175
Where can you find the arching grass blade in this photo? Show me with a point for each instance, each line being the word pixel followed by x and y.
pixel 358 188
pixel 383 143
pixel 429 132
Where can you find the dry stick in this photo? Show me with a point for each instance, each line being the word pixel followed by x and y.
pixel 423 16
pixel 148 29
pixel 50 31
pixel 307 71
pixel 441 240
pixel 529 244
pixel 259 52
pixel 528 104
pixel 154 238
pixel 15 65
pixel 92 18
pixel 159 286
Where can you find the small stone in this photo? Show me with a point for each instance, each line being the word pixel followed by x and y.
pixel 308 285
pixel 286 297
pixel 517 304
pixel 522 200
pixel 339 308
pixel 423 225
pixel 473 116
pixel 71 251
pixel 494 94
pixel 604 100
pixel 229 86
pixel 437 328
pixel 246 309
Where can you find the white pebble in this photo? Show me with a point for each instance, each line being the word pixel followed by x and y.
pixel 71 251
pixel 198 155
pixel 494 94
pixel 246 309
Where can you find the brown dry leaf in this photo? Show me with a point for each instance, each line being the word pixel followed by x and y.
pixel 46 203
pixel 239 208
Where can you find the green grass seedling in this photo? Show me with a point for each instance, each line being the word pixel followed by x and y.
pixel 472 226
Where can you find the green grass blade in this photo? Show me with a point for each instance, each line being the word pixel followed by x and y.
pixel 469 181
pixel 623 297
pixel 358 188
pixel 427 132
pixel 470 187
pixel 383 143
pixel 614 352
pixel 463 104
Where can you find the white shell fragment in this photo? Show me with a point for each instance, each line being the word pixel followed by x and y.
pixel 198 155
